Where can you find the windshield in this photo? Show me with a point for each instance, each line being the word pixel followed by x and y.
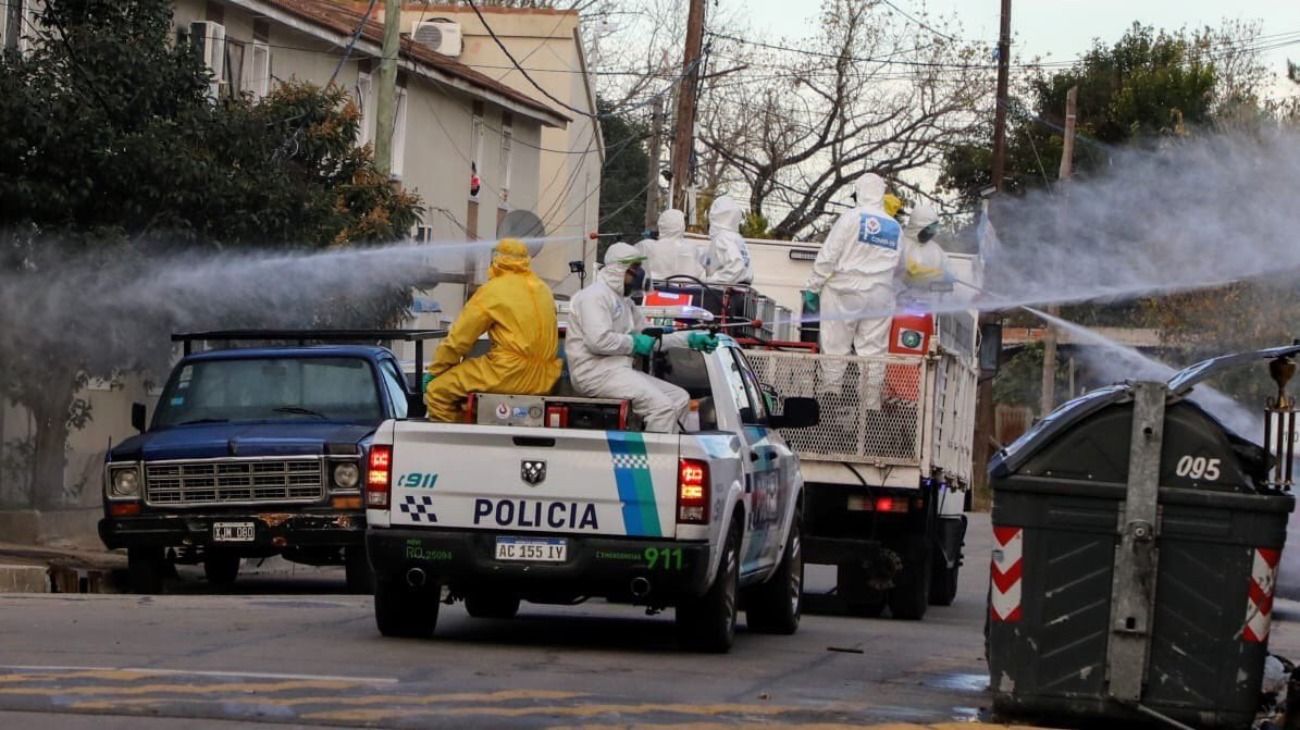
pixel 323 388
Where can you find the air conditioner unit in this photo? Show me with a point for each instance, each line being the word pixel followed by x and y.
pixel 210 40
pixel 440 34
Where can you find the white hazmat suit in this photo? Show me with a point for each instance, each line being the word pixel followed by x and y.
pixel 672 254
pixel 855 274
pixel 599 347
pixel 728 260
pixel 924 261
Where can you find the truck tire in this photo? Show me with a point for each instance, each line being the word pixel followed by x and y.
pixel 360 578
pixel 492 605
pixel 221 569
pixel 776 606
pixel 407 613
pixel 943 582
pixel 144 570
pixel 708 623
pixel 910 596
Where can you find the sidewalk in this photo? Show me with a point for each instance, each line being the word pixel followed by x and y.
pixel 52 569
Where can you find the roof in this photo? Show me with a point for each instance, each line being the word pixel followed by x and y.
pixel 368 352
pixel 343 19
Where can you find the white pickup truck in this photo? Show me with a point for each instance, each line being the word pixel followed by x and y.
pixel 706 521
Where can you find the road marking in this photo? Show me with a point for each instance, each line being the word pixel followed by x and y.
pixel 201 673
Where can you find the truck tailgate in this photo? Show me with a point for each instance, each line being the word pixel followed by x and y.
pixel 534 479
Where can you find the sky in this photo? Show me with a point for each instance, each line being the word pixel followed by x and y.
pixel 1057 30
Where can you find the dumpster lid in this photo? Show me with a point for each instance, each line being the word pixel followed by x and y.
pixel 1184 380
pixel 1011 457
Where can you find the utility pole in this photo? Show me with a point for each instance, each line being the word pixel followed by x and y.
pixel 1049 337
pixel 684 132
pixel 984 412
pixel 652 166
pixel 386 105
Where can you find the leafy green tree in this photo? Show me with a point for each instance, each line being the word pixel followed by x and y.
pixel 112 157
pixel 623 181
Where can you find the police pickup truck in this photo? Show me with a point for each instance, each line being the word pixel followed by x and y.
pixel 256 451
pixel 555 500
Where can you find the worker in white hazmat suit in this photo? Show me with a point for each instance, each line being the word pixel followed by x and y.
pixel 854 281
pixel 728 259
pixel 924 262
pixel 671 254
pixel 605 332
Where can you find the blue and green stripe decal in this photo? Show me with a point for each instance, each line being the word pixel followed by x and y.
pixel 635 487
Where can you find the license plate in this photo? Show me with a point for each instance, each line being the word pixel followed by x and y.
pixel 234 531
pixel 532 550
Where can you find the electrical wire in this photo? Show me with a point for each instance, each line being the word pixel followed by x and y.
pixel 352 42
pixel 501 44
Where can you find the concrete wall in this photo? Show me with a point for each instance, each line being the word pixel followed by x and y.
pixel 571 159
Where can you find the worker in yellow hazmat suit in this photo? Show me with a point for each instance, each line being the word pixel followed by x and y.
pixel 517 310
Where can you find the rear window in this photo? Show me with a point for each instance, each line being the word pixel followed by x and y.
pixel 271 389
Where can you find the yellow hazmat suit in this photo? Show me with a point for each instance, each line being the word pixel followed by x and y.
pixel 517 311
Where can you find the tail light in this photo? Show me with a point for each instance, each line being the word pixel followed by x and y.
pixel 693 492
pixel 879 504
pixel 471 408
pixel 557 416
pixel 379 476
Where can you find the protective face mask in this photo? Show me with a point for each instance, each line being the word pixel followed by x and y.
pixel 637 284
pixel 928 232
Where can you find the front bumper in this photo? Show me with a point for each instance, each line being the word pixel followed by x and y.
pixel 595 566
pixel 274 532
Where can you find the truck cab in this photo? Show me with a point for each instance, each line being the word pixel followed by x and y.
pixel 491 512
pixel 253 452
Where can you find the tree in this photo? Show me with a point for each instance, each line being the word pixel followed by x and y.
pixel 1146 86
pixel 624 179
pixel 115 165
pixel 869 94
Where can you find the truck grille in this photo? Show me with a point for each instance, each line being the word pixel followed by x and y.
pixel 229 481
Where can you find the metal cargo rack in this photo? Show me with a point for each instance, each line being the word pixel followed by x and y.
pixel 306 337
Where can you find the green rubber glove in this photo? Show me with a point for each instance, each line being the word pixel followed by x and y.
pixel 424 382
pixel 642 344
pixel 702 342
pixel 812 301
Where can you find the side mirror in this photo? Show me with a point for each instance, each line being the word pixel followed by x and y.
pixel 990 354
pixel 798 413
pixel 139 417
pixel 415 407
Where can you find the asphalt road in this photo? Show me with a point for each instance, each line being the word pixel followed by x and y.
pixel 290 653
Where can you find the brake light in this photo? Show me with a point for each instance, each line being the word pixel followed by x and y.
pixel 693 492
pixel 557 416
pixel 379 476
pixel 889 504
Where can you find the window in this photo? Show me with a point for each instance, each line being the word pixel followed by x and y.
pixel 271 389
pixel 739 393
pixel 234 71
pixel 11 24
pixel 363 97
pixel 758 403
pixel 399 133
pixel 259 71
pixel 476 158
pixel 396 393
pixel 209 40
pixel 504 164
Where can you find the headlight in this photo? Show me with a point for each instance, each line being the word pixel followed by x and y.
pixel 126 483
pixel 347 476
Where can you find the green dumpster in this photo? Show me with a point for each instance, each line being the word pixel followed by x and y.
pixel 1136 548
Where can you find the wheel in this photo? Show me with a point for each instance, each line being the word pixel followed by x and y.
pixel 943 582
pixel 221 569
pixel 357 569
pixel 403 612
pixel 491 605
pixel 708 623
pixel 144 570
pixel 910 596
pixel 776 606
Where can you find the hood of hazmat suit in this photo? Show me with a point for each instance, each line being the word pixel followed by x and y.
pixel 892 205
pixel 728 259
pixel 517 311
pixel 923 261
pixel 863 250
pixel 599 346
pixel 672 254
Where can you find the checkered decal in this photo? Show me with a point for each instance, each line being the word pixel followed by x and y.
pixel 631 461
pixel 415 506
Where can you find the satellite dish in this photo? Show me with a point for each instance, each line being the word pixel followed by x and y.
pixel 523 224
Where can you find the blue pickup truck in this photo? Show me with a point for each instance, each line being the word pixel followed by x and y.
pixel 255 452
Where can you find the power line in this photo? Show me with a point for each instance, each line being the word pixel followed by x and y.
pixel 904 13
pixel 501 44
